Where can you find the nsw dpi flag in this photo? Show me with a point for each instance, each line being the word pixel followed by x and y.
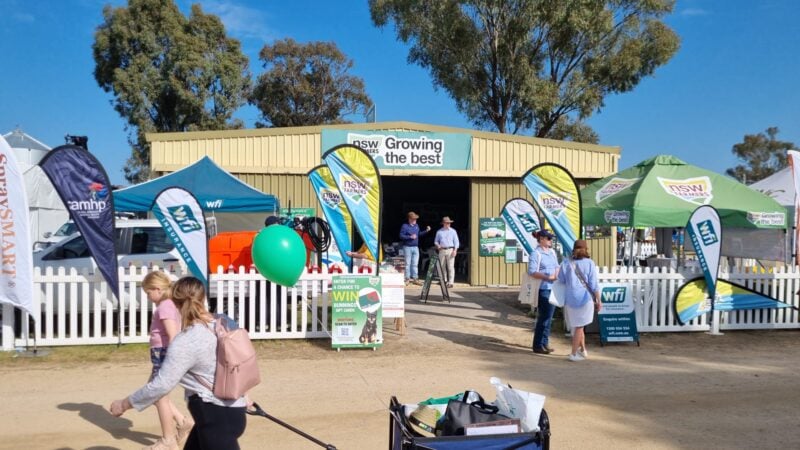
pixel 556 194
pixel 183 220
pixel 359 182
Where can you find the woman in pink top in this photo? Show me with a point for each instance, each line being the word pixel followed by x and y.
pixel 166 325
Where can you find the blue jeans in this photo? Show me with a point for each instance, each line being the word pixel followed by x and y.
pixel 544 318
pixel 412 262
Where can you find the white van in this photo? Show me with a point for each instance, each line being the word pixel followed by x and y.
pixel 138 242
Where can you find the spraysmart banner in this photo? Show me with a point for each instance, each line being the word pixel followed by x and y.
pixel 406 149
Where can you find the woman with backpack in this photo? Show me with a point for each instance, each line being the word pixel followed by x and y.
pixel 192 357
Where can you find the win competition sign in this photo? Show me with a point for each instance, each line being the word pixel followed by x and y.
pixel 617 318
pixel 356 311
pixel 492 238
pixel 407 150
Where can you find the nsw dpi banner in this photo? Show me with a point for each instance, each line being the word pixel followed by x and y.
pixel 556 194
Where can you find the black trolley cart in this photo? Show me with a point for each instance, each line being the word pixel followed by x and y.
pixel 401 437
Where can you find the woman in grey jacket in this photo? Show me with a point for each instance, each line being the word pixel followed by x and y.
pixel 218 423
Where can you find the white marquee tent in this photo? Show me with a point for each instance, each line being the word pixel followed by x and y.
pixel 47 211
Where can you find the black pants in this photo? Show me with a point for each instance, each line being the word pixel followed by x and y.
pixel 215 427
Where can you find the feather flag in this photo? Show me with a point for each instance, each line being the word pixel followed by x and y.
pixel 357 178
pixel 556 194
pixel 334 209
pixel 183 220
pixel 705 231
pixel 691 300
pixel 522 219
pixel 82 183
pixel 16 276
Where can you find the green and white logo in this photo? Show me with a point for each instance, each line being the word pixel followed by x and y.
pixel 182 215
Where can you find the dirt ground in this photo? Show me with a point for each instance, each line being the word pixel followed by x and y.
pixel 679 390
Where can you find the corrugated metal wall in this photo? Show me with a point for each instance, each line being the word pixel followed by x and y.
pixel 487 197
pixel 276 160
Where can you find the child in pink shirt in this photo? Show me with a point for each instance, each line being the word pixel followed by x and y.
pixel 166 325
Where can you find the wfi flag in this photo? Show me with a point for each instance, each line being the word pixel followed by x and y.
pixel 16 276
pixel 357 178
pixel 556 194
pixel 522 219
pixel 691 300
pixel 705 232
pixel 183 220
pixel 334 209
pixel 82 183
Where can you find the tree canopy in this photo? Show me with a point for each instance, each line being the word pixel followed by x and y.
pixel 763 154
pixel 533 65
pixel 168 72
pixel 306 84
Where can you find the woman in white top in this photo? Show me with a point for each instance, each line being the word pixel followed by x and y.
pixel 581 296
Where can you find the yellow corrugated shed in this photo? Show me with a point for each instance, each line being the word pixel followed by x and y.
pixel 276 160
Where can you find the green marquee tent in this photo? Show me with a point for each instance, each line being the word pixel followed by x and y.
pixel 663 191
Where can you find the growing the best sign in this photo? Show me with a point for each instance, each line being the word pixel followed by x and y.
pixel 407 150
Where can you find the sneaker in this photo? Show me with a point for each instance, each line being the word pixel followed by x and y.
pixel 163 444
pixel 417 281
pixel 576 357
pixel 184 429
pixel 583 353
pixel 449 285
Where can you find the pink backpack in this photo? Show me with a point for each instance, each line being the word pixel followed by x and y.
pixel 237 366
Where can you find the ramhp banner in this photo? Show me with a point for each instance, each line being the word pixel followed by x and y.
pixel 82 183
pixel 334 209
pixel 359 182
pixel 16 280
pixel 521 218
pixel 556 194
pixel 183 220
pixel 705 231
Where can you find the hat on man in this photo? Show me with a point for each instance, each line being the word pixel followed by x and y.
pixel 412 215
pixel 423 420
pixel 446 219
pixel 544 234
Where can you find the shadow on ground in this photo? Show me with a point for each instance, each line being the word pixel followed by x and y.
pixel 117 427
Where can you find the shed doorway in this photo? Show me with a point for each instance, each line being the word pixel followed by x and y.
pixel 432 198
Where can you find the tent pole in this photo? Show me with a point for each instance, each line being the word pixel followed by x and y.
pixel 633 237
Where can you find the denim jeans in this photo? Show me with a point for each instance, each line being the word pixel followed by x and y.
pixel 544 318
pixel 412 262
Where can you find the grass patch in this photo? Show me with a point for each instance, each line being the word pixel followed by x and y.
pixel 74 355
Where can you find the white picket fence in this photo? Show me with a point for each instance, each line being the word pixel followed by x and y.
pixel 654 289
pixel 78 308
pixel 71 316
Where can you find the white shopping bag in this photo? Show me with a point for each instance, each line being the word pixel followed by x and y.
pixel 529 289
pixel 519 404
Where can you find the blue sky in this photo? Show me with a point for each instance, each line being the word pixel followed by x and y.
pixel 736 73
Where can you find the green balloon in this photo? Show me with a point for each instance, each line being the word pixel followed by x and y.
pixel 279 254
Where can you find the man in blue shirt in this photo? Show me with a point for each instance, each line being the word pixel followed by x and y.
pixel 409 236
pixel 447 244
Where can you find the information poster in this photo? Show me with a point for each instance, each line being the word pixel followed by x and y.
pixel 492 238
pixel 393 290
pixel 617 318
pixel 356 311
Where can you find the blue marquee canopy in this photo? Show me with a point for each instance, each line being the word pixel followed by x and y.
pixel 215 189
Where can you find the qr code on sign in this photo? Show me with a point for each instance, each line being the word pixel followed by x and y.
pixel 344 332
